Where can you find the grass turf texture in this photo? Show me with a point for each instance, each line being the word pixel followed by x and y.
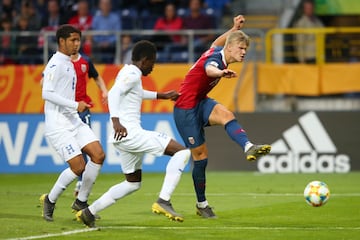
pixel 248 205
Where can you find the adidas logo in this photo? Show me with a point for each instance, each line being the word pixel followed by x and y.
pixel 305 148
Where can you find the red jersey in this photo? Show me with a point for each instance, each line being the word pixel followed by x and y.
pixel 82 23
pixel 84 69
pixel 197 84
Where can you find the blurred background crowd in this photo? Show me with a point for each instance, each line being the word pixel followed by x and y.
pixel 24 24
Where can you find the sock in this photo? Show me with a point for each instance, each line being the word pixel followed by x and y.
pixel 113 194
pixel 236 133
pixel 88 179
pixel 66 177
pixel 174 169
pixel 199 179
pixel 202 204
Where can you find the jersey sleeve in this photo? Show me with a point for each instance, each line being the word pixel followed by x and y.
pixel 214 59
pixel 93 73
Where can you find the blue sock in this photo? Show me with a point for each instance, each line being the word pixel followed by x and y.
pixel 199 179
pixel 236 133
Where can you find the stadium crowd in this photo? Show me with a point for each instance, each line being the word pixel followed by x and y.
pixel 37 16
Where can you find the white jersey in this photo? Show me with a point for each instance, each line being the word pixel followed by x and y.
pixel 59 82
pixel 126 95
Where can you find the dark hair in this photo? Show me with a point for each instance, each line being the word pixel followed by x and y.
pixel 143 48
pixel 64 31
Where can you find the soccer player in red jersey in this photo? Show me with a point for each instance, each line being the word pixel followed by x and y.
pixel 193 110
pixel 85 69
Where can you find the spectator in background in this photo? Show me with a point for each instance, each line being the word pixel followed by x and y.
pixel 169 22
pixel 126 49
pixel 7 46
pixel 53 18
pixel 8 10
pixel 26 45
pixel 306 43
pixel 198 20
pixel 83 21
pixel 105 20
pixel 28 11
pixel 50 22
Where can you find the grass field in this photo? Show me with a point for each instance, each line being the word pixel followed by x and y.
pixel 248 205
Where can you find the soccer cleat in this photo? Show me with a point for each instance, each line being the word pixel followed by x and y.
pixel 86 217
pixel 165 207
pixel 79 205
pixel 47 208
pixel 257 151
pixel 206 212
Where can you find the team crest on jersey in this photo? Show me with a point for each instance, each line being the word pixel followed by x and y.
pixel 191 140
pixel 83 68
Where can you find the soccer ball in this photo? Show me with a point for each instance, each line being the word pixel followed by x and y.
pixel 316 193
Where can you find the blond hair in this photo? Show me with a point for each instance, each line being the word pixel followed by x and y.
pixel 237 36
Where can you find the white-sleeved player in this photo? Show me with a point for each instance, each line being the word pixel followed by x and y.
pixel 63 126
pixel 132 141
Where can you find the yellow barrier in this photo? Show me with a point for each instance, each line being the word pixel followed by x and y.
pixel 341 33
pixel 308 80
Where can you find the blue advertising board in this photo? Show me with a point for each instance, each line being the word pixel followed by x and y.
pixel 24 148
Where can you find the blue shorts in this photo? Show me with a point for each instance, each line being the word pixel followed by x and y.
pixel 85 116
pixel 191 122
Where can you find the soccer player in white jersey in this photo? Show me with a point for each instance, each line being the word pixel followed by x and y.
pixel 132 141
pixel 63 126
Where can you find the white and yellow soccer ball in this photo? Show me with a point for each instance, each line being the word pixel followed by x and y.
pixel 316 193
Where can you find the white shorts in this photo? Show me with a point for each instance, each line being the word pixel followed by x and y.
pixel 68 143
pixel 138 142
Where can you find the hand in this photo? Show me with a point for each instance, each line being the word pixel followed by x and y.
pixel 239 22
pixel 119 129
pixel 227 73
pixel 172 95
pixel 83 106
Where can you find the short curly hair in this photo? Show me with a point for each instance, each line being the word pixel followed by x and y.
pixel 143 48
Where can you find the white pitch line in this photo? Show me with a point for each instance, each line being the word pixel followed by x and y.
pixel 261 194
pixel 182 228
pixel 56 234
pixel 230 228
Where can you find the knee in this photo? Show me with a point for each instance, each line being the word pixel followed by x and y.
pixel 133 186
pixel 79 169
pixel 99 157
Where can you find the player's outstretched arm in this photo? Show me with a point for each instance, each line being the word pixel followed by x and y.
pixel 239 22
pixel 172 95
pixel 101 85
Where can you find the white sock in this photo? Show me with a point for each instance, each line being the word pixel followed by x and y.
pixel 248 145
pixel 88 179
pixel 202 204
pixel 113 194
pixel 66 177
pixel 174 169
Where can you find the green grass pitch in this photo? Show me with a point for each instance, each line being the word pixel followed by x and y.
pixel 249 206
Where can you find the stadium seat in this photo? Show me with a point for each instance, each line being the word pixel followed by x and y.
pixel 129 18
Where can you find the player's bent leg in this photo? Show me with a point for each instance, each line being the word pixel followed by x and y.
pixel 92 169
pixel 174 170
